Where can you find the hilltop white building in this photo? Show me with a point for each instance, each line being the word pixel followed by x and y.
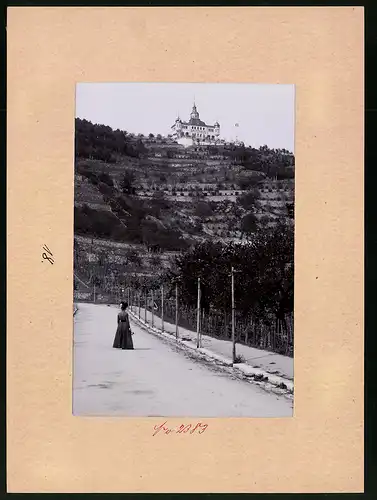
pixel 195 131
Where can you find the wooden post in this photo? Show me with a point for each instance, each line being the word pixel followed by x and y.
pixel 152 295
pixel 198 317
pixel 233 321
pixel 139 300
pixel 145 306
pixel 176 310
pixel 162 308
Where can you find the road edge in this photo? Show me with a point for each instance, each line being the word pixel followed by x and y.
pixel 284 385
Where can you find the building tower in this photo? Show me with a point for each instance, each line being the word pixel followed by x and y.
pixel 195 130
pixel 194 113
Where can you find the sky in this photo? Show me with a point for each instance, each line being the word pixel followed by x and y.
pixel 265 113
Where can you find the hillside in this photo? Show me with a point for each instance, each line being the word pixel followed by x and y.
pixel 140 200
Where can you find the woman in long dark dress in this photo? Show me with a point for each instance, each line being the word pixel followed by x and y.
pixel 123 336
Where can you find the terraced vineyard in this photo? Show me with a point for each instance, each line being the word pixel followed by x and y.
pixel 139 202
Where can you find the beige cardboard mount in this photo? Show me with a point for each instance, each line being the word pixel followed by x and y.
pixel 320 50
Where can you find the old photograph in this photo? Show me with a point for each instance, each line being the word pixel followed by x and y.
pixel 183 300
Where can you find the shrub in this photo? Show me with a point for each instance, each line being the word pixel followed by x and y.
pixel 119 233
pixel 106 179
pixel 133 257
pixel 105 189
pixel 155 261
pixel 100 223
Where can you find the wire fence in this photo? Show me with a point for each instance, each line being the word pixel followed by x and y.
pixel 275 335
pixel 272 333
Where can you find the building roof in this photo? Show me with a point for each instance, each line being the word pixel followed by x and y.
pixel 195 121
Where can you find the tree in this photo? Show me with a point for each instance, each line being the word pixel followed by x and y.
pixel 249 223
pixel 248 200
pixel 127 182
pixel 159 200
pixel 203 209
pixel 265 271
pixel 290 210
pixel 133 257
pixel 247 182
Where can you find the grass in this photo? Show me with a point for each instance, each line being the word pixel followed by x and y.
pixel 239 359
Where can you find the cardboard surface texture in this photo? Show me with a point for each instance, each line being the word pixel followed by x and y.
pixel 320 449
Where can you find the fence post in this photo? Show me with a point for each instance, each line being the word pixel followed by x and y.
pixel 233 321
pixel 94 293
pixel 198 317
pixel 145 305
pixel 290 329
pixel 276 335
pixel 152 296
pixel 162 308
pixel 139 300
pixel 176 311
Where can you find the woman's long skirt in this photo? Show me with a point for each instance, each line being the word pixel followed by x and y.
pixel 123 336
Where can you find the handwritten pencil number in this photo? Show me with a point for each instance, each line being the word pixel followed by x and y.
pixel 182 429
pixel 47 255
